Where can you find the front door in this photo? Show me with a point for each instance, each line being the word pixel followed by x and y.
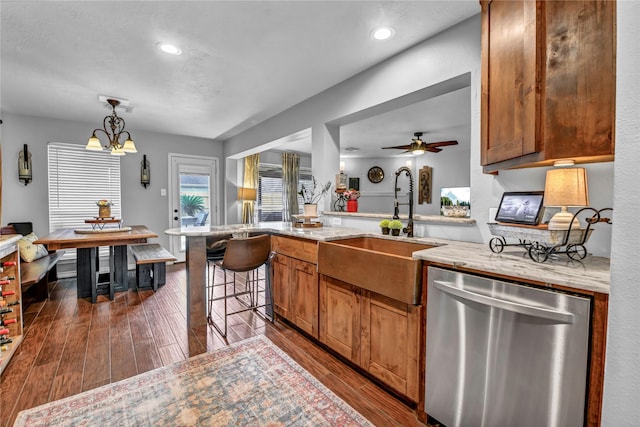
pixel 193 199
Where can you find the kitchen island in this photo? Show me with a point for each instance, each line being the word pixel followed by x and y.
pixel 590 274
pixel 196 254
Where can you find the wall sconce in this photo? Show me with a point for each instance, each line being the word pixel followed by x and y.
pixel 25 173
pixel 145 171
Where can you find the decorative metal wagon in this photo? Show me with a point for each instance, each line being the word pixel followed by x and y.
pixel 540 242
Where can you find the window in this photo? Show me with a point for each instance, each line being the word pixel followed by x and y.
pixel 270 204
pixel 77 180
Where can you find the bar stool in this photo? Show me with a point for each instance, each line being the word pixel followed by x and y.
pixel 242 255
pixel 216 247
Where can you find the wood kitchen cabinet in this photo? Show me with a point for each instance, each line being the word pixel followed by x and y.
pixel 548 82
pixel 281 265
pixel 295 282
pixel 340 317
pixel 390 342
pixel 11 327
pixel 377 333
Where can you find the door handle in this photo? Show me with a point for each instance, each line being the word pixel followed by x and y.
pixel 529 310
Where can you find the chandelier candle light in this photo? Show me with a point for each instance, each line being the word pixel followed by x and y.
pixel 116 124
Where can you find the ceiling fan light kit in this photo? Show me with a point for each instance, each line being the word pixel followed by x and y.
pixel 418 146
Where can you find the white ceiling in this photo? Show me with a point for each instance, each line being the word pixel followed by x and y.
pixel 243 61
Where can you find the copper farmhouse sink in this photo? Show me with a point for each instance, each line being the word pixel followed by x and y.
pixel 379 265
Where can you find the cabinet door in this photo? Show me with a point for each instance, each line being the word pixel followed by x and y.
pixel 510 47
pixel 340 317
pixel 548 82
pixel 304 296
pixel 580 82
pixel 281 266
pixel 391 342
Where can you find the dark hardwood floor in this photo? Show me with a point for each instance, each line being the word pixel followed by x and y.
pixel 71 345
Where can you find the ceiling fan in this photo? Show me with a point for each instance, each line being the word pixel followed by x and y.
pixel 418 146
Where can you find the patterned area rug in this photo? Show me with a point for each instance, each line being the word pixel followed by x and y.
pixel 250 383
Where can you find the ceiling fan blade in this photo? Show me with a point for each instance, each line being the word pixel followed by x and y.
pixel 399 147
pixel 433 149
pixel 441 143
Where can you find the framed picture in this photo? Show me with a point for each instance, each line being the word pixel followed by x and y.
pixel 521 207
pixel 424 185
pixel 455 202
pixel 354 183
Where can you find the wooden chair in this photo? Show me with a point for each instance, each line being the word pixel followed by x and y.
pixel 242 255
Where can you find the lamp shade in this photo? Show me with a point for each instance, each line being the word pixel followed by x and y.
pixel 94 144
pixel 247 194
pixel 117 151
pixel 129 146
pixel 566 187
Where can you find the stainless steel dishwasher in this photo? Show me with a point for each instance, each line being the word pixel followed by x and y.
pixel 501 354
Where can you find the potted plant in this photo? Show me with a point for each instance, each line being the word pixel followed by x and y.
pixel 311 196
pixel 395 226
pixel 352 196
pixel 104 208
pixel 384 225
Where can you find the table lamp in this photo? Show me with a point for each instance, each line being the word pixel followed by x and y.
pixel 565 187
pixel 249 195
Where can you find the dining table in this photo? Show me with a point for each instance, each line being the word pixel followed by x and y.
pixel 87 241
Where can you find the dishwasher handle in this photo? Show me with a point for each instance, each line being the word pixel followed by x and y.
pixel 528 310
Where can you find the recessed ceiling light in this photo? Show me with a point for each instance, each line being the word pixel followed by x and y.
pixel 382 33
pixel 169 48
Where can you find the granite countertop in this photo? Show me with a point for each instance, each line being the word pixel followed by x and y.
pixel 416 217
pixel 282 228
pixel 7 239
pixel 590 274
pixel 7 242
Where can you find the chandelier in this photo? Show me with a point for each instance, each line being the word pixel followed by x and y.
pixel 116 124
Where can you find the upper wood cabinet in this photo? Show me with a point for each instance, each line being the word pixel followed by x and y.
pixel 548 82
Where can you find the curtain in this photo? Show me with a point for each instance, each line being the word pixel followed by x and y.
pixel 250 181
pixel 290 175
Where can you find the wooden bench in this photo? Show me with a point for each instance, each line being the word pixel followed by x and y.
pixel 36 274
pixel 151 264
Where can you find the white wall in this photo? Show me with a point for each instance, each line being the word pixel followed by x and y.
pixel 622 373
pixel 139 205
pixel 378 198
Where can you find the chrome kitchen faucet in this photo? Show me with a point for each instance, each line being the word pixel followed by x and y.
pixel 409 229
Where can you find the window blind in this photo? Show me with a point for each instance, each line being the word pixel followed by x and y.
pixel 78 178
pixel 270 205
